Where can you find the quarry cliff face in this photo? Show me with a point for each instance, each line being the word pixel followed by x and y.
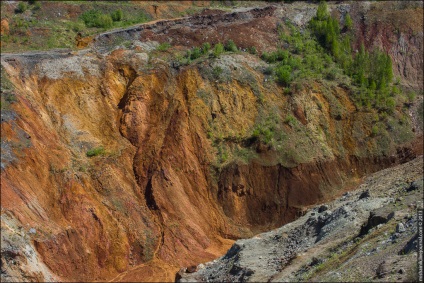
pixel 114 160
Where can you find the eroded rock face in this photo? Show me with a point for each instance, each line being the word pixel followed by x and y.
pixel 304 250
pixel 158 191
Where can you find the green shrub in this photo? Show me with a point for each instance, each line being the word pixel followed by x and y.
pixel 395 90
pixel 263 133
pixel 37 6
pixel 90 17
pixel 117 16
pixel 96 151
pixel 195 53
pixel 22 7
pixel 231 46
pixel 390 104
pixel 348 22
pixel 268 130
pixel 290 119
pixel 268 57
pixel 411 96
pixel 276 56
pixel 283 73
pixel 163 46
pixel 268 70
pixel 216 72
pixel 187 58
pixel 104 21
pixel 252 50
pixel 77 26
pixel 206 46
pixel 244 154
pixel 331 74
pixel 218 50
pixel 374 130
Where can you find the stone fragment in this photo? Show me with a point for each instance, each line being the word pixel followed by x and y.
pixel 400 228
pixel 365 194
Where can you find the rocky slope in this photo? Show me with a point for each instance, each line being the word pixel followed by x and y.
pixel 120 163
pixel 369 234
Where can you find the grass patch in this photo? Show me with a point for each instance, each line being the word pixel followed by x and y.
pixel 96 151
pixel 36 30
pixel 163 46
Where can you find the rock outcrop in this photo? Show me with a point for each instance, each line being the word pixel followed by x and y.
pixel 330 245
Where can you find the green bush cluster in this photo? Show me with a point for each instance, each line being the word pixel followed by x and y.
pixel 218 49
pixel 371 71
pixel 290 119
pixel 326 29
pixel 302 58
pixel 197 52
pixel 266 130
pixel 95 18
pixel 272 57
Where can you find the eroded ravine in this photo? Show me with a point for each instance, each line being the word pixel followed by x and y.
pixel 169 189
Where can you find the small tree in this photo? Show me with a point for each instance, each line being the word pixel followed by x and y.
pixel 322 11
pixel 348 22
pixel 231 46
pixel 218 50
pixel 206 47
pixel 195 53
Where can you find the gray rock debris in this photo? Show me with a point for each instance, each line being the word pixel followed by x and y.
pixel 265 257
pixel 400 228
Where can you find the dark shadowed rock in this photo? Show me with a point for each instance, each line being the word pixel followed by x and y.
pixel 412 245
pixel 315 261
pixel 365 194
pixel 416 185
pixel 379 216
pixel 191 269
pixel 322 208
